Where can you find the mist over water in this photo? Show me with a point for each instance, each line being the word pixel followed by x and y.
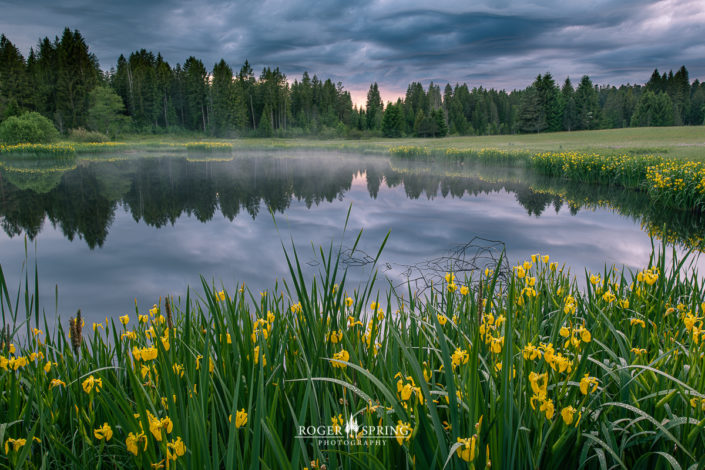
pixel 115 229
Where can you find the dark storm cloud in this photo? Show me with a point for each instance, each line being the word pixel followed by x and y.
pixel 424 38
pixel 501 44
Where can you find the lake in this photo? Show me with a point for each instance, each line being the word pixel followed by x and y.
pixel 109 230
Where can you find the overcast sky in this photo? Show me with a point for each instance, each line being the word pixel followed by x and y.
pixel 495 44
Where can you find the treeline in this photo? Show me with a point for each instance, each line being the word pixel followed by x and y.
pixel 666 100
pixel 143 93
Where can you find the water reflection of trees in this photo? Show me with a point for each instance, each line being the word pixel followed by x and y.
pixel 83 199
pixel 537 193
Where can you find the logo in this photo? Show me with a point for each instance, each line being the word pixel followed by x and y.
pixel 353 433
pixel 351 427
pixel 362 428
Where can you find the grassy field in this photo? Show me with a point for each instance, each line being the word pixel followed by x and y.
pixel 676 142
pixel 682 142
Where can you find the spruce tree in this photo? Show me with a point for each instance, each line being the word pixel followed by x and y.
pixel 392 122
pixel 656 83
pixel 532 116
pixel 13 81
pixel 144 103
pixel 195 94
pixel 697 104
pixel 246 90
pixel 222 91
pixel 569 111
pixel 374 108
pixel 681 96
pixel 420 124
pixel 165 86
pixel 653 110
pixel 77 74
pixel 549 98
pixel 265 128
pixel 587 109
pixel 440 125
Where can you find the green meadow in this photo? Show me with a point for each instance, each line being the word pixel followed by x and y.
pixel 683 142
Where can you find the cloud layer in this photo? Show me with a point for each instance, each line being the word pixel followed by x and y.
pixel 500 44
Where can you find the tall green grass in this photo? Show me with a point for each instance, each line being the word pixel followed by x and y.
pixel 628 171
pixel 462 365
pixel 485 155
pixel 677 184
pixel 208 146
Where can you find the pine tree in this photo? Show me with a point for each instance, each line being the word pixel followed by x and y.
pixel 120 81
pixel 613 110
pixel 77 74
pixel 440 125
pixel 458 122
pixel 13 81
pixel 144 102
pixel 532 117
pixel 44 73
pixel 196 94
pixel 265 124
pixel 246 90
pixel 665 111
pixel 392 122
pixel 344 105
pixel 587 109
pixel 549 99
pixel 374 108
pixel 697 104
pixel 165 90
pixel 178 95
pixel 434 97
pixel 223 98
pixel 681 96
pixel 447 97
pixel 656 83
pixel 653 110
pixel 420 124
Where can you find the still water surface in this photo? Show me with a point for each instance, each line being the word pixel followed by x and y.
pixel 110 230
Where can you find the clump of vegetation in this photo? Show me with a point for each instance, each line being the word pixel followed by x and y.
pixel 30 127
pixel 51 150
pixel 410 151
pixel 485 155
pixel 208 146
pixel 94 147
pixel 82 135
pixel 628 171
pixel 61 149
pixel 492 156
pixel 677 184
pixel 513 368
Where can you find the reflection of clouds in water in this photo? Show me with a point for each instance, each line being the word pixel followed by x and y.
pixel 140 261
